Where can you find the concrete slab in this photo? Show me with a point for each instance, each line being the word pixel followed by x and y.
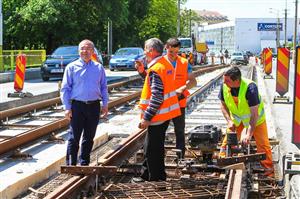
pixel 17 175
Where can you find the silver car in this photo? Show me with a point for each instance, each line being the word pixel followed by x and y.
pixel 238 58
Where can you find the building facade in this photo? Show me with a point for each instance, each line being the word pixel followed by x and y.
pixel 247 34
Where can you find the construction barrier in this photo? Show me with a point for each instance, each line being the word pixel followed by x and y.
pixel 20 73
pixel 282 74
pixel 95 57
pixel 296 108
pixel 262 58
pixel 19 77
pixel 268 62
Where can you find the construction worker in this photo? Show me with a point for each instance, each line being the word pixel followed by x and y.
pixel 243 107
pixel 159 104
pixel 221 57
pixel 184 80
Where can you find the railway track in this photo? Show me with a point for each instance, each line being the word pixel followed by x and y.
pixel 25 125
pixel 201 71
pixel 18 128
pixel 189 178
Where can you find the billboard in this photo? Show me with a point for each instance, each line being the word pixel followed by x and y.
pixel 269 26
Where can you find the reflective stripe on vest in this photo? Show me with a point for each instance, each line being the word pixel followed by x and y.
pixel 166 96
pixel 241 112
pixel 169 107
pixel 181 77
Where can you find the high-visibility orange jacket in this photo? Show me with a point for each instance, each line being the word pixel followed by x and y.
pixel 181 76
pixel 170 106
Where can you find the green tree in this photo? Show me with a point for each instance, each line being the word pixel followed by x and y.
pixel 50 23
pixel 160 20
pixel 187 16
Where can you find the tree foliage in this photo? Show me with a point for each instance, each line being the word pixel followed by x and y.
pixel 160 20
pixel 47 24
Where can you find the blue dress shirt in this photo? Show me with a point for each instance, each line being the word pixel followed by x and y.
pixel 83 82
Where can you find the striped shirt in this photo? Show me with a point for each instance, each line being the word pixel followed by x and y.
pixel 157 96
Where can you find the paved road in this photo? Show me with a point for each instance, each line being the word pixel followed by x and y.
pixel 38 86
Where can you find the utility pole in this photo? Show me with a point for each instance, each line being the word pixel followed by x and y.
pixel 1 38
pixel 285 23
pixel 295 28
pixel 222 39
pixel 278 32
pixel 275 11
pixel 109 37
pixel 190 22
pixel 178 18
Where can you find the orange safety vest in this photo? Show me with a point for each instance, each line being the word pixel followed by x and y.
pixel 181 76
pixel 170 107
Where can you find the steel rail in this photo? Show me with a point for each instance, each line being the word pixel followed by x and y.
pixel 23 139
pixel 112 158
pixel 234 186
pixel 50 102
pixel 124 83
pixel 14 112
pixel 28 108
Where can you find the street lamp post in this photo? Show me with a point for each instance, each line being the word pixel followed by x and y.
pixel 1 37
pixel 278 33
pixel 285 23
pixel 178 18
pixel 277 26
pixel 190 22
pixel 109 37
pixel 295 28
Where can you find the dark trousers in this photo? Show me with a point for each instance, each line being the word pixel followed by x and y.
pixel 154 162
pixel 179 125
pixel 85 118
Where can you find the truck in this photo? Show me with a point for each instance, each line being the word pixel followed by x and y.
pixel 187 49
pixel 186 45
pixel 201 50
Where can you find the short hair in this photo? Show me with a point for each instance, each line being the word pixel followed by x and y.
pixel 234 73
pixel 155 44
pixel 86 41
pixel 173 42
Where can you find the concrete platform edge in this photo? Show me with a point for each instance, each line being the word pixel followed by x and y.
pixel 21 186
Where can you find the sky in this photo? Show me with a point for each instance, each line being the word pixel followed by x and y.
pixel 246 8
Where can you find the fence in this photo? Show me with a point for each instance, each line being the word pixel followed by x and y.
pixel 34 58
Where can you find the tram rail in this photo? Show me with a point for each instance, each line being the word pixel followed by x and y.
pixel 9 144
pixel 122 152
pixel 116 183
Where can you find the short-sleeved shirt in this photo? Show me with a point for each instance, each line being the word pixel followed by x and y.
pixel 251 94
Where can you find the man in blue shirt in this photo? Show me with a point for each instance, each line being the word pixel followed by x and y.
pixel 84 85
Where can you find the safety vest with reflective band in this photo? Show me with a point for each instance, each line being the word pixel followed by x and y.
pixel 169 107
pixel 241 112
pixel 181 76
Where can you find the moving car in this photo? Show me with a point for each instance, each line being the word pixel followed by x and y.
pixel 124 58
pixel 55 64
pixel 239 58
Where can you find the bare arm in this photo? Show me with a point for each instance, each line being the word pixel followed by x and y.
pixel 225 111
pixel 190 83
pixel 252 124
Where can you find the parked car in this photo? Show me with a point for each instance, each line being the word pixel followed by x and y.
pixel 239 58
pixel 124 58
pixel 249 54
pixel 55 64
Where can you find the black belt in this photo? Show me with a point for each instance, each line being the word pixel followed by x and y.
pixel 86 102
